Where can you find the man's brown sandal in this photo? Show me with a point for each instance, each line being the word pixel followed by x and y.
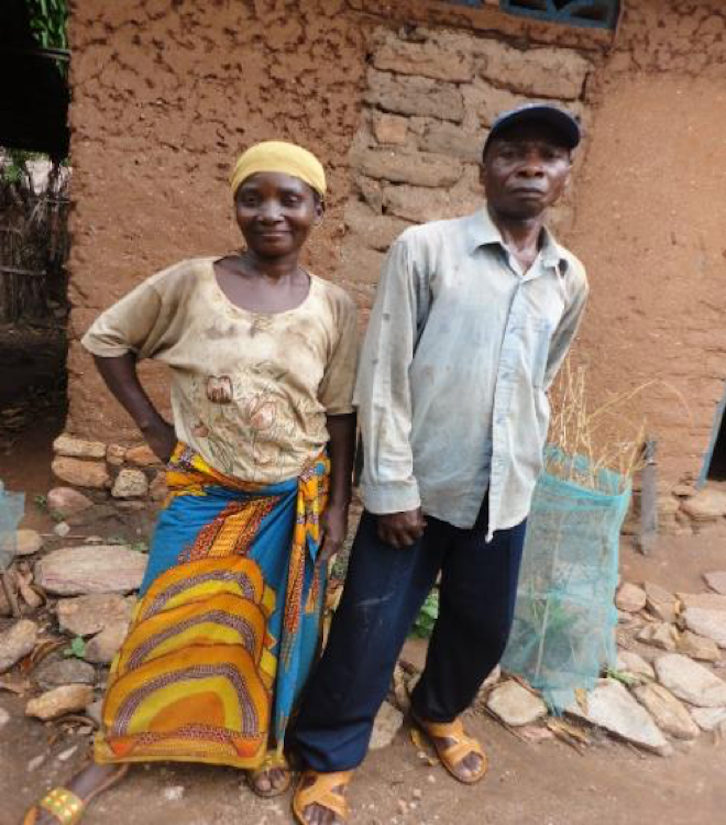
pixel 67 808
pixel 452 756
pixel 320 792
pixel 272 761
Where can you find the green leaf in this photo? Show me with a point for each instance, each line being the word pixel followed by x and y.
pixel 77 648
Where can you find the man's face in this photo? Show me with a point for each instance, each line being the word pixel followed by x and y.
pixel 524 171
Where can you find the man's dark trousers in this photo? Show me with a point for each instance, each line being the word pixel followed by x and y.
pixel 384 591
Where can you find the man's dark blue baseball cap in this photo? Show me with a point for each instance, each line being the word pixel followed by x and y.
pixel 559 120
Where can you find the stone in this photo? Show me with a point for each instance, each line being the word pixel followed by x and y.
pixel 27 542
pixel 416 203
pixel 661 634
pixel 65 501
pixel 630 598
pixel 491 101
pixel 130 484
pixel 546 72
pixel 158 490
pixel 610 706
pixel 492 678
pixel 78 448
pixel 669 714
pixel 36 762
pixel 515 705
pixel 716 580
pixel 707 601
pixel 414 96
pixel 444 138
pixel 94 711
pixel 418 168
pixel 115 455
pixel 17 642
pixel 414 653
pixel 70 671
pixel 660 602
pixel 360 264
pixel 684 490
pixel 59 701
pixel 709 718
pixel 174 793
pixel 74 571
pixel 698 647
pixel 390 129
pixel 87 615
pixel 29 594
pixel 631 662
pixel 387 724
pixel 81 473
pixel 437 60
pixel 4 718
pixel 103 647
pixel 375 231
pixel 370 192
pixel 143 456
pixel 62 529
pixel 65 755
pixel 689 681
pixel 706 505
pixel 708 623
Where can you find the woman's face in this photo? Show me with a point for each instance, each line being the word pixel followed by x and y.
pixel 275 213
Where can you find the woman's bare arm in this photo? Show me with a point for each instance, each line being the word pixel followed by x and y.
pixel 120 376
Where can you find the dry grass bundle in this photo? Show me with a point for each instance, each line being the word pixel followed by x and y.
pixel 605 439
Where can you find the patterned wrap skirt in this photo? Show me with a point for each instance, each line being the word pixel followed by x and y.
pixel 227 625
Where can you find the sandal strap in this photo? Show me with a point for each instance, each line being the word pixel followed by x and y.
pixel 64 805
pixel 273 759
pixel 461 747
pixel 321 792
pixel 460 750
pixel 444 730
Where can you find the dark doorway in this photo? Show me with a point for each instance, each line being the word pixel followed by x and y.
pixel 715 464
pixel 34 207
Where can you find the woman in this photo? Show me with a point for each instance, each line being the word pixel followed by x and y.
pixel 262 357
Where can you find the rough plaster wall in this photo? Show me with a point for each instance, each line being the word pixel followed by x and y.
pixel 650 217
pixel 165 94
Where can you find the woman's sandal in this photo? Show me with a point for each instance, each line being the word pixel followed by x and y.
pixel 452 755
pixel 65 806
pixel 320 792
pixel 271 761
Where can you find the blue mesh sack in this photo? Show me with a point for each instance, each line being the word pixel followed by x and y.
pixel 12 506
pixel 564 627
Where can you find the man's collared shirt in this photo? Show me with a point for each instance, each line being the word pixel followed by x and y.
pixel 461 348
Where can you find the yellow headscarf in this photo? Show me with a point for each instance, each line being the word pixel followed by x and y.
pixel 279 156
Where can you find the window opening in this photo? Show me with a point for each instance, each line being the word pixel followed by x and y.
pixel 594 13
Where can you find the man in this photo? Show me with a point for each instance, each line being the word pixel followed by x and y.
pixel 472 319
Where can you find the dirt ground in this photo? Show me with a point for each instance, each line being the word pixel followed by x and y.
pixel 546 783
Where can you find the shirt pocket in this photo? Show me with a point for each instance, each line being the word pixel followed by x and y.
pixel 534 334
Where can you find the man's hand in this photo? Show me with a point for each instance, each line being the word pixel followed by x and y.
pixel 160 436
pixel 334 525
pixel 401 529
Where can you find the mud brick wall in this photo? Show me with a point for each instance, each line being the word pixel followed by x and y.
pixel 429 99
pixel 396 99
pixel 649 222
pixel 166 93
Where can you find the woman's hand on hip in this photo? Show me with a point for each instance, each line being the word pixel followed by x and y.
pixel 161 437
pixel 401 529
pixel 334 526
